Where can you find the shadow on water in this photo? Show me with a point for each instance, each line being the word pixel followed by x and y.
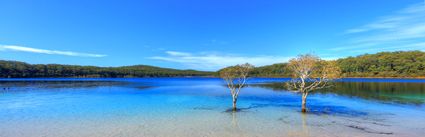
pixel 312 109
pixel 238 110
pixel 315 109
pixel 294 103
pixel 291 103
pixel 204 108
pixel 334 110
pixel 388 92
pixel 357 125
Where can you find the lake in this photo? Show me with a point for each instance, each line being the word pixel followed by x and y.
pixel 182 107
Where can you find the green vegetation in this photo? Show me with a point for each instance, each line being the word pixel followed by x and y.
pixel 383 64
pixel 14 69
pixel 275 70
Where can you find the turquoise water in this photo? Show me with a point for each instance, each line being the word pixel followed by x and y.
pixel 197 107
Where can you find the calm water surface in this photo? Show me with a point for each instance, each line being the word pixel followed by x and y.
pixel 197 107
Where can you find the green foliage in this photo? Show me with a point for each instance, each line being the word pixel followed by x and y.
pixel 238 71
pixel 383 64
pixel 275 70
pixel 14 69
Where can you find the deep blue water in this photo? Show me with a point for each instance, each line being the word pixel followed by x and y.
pixel 197 107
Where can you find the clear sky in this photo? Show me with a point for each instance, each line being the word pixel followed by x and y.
pixel 204 34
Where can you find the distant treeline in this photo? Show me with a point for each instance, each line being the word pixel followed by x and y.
pixel 14 69
pixel 383 64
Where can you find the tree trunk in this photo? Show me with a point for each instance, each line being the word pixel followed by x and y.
pixel 234 104
pixel 303 103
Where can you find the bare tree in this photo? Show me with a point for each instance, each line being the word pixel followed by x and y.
pixel 311 73
pixel 236 77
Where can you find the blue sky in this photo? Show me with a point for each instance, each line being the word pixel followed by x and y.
pixel 204 34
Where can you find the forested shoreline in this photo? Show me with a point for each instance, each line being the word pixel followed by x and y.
pixel 15 69
pixel 403 64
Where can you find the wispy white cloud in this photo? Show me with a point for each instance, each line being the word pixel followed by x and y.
pixel 404 27
pixel 214 61
pixel 44 51
pixel 176 53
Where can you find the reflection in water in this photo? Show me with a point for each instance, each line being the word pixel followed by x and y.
pixel 59 84
pixel 235 128
pixel 14 86
pixel 301 129
pixel 403 93
pixel 304 132
pixel 235 122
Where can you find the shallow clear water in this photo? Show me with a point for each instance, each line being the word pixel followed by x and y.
pixel 197 107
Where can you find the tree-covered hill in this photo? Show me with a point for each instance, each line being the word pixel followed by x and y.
pixel 14 69
pixel 383 64
pixel 275 70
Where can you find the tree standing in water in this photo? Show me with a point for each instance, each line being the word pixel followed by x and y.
pixel 311 73
pixel 236 77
